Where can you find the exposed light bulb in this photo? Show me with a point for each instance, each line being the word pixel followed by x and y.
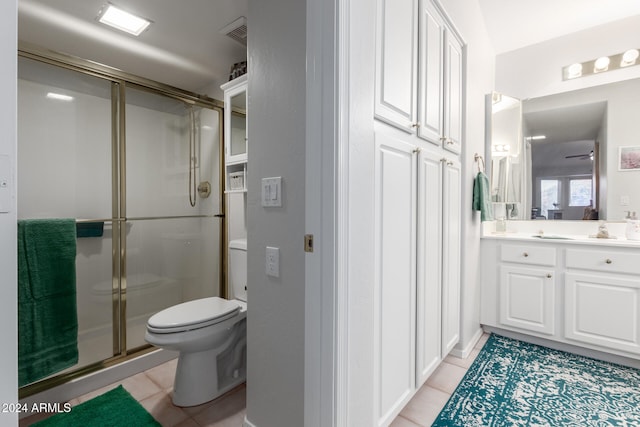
pixel 629 57
pixel 574 70
pixel 601 64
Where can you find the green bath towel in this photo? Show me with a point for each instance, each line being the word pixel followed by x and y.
pixel 482 197
pixel 47 316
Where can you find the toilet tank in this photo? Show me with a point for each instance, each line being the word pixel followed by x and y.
pixel 238 268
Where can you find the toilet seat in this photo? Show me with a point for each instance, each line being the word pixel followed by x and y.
pixel 191 315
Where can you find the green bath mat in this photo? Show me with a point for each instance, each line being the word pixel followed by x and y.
pixel 513 383
pixel 115 408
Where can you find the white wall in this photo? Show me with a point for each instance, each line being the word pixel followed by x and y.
pixel 469 21
pixel 276 121
pixel 8 255
pixel 537 70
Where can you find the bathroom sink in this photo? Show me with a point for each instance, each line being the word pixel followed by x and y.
pixel 551 236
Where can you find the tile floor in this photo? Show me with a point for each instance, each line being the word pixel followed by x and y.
pixel 152 389
pixel 427 403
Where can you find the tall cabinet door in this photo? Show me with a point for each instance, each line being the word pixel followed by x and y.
pixel 453 94
pixel 395 275
pixel 396 63
pixel 430 101
pixel 451 226
pixel 428 337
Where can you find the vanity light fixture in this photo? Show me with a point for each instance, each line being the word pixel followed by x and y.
pixel 59 96
pixel 602 64
pixel 122 20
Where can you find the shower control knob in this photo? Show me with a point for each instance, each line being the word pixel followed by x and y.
pixel 608 261
pixel 525 254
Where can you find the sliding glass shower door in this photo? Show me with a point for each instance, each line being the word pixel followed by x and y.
pixel 172 197
pixel 139 171
pixel 64 171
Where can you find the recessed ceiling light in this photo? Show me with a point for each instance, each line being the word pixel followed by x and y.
pixel 536 137
pixel 59 96
pixel 122 20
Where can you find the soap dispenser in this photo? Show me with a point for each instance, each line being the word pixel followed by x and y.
pixel 633 227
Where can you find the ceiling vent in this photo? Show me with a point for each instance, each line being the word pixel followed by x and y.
pixel 237 30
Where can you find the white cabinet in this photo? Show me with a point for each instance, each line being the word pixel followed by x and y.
pixel 235 134
pixel 583 295
pixel 395 275
pixel 451 226
pixel 419 78
pixel 527 298
pixel 602 298
pixel 430 255
pixel 417 286
pixel 396 63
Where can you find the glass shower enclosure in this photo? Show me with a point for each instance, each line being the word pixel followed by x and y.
pixel 138 167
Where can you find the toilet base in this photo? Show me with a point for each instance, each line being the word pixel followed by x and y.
pixel 196 380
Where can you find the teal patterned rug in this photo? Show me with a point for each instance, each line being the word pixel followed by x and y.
pixel 513 383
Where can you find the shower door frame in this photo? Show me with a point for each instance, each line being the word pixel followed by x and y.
pixel 120 81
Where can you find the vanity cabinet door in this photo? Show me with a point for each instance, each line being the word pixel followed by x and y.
pixel 527 298
pixel 603 310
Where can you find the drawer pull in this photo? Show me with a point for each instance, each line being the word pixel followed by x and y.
pixel 525 254
pixel 608 261
pixel 548 276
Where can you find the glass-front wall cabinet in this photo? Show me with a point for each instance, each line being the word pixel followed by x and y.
pixel 236 139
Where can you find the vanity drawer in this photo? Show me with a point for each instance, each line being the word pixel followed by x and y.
pixel 610 261
pixel 528 254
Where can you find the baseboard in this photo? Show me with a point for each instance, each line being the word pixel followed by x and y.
pixel 465 352
pixel 246 423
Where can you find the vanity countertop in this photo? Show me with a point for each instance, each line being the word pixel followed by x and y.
pixel 569 239
pixel 564 232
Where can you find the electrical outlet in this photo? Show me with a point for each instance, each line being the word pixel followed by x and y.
pixel 624 200
pixel 272 261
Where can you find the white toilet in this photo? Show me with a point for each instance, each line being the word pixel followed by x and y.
pixel 210 334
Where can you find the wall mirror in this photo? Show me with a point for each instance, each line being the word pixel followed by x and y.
pixel 561 156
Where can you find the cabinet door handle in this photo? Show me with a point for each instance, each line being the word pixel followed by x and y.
pixel 415 125
pixel 548 276
pixel 449 141
pixel 416 150
pixel 608 261
pixel 525 254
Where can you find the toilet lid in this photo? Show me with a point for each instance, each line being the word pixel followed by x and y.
pixel 193 315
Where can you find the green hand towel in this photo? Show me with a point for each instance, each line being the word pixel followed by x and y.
pixel 482 197
pixel 47 315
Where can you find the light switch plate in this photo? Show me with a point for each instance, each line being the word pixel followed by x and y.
pixel 272 192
